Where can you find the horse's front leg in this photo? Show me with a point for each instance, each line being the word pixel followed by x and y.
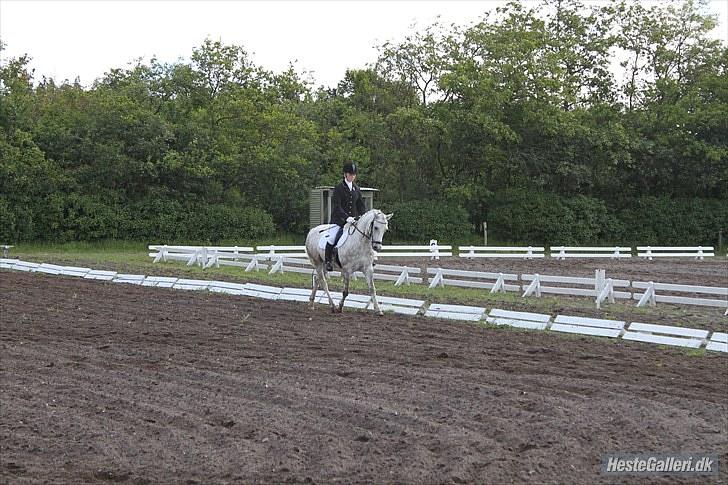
pixel 323 276
pixel 346 276
pixel 372 290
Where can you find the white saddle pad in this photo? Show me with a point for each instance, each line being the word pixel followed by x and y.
pixel 331 235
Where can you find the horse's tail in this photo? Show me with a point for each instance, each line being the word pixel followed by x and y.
pixel 312 240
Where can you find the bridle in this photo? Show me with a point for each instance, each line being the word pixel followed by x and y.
pixel 355 226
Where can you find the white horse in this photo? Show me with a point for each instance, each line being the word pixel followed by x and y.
pixel 356 254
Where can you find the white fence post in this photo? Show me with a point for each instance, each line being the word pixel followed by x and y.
pixel 437 280
pixel 277 267
pixel 534 287
pixel 498 286
pixel 212 259
pixel 649 296
pixel 253 265
pixel 162 254
pixel 403 278
pixel 607 292
pixel 193 258
pixel 599 279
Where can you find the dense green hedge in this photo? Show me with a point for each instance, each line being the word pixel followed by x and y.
pixel 666 221
pixel 79 217
pixel 543 218
pixel 420 221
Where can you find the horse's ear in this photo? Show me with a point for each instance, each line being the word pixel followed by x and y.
pixel 389 216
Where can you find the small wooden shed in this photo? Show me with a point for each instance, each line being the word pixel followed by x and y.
pixel 320 203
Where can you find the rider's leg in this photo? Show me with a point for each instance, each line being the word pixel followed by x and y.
pixel 330 249
pixel 338 235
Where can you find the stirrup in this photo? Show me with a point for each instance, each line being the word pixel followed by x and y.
pixel 329 266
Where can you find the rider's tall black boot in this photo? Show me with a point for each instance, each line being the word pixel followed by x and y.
pixel 329 254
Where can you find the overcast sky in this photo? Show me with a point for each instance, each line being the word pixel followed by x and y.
pixel 88 38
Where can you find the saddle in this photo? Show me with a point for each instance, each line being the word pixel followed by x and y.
pixel 329 234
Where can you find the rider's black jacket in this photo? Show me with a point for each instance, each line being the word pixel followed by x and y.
pixel 346 203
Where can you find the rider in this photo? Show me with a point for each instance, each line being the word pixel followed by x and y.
pixel 346 205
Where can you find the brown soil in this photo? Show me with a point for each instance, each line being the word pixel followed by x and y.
pixel 101 382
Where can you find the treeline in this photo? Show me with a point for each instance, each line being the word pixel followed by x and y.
pixel 558 124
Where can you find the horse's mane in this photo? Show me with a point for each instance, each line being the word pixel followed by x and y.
pixel 371 213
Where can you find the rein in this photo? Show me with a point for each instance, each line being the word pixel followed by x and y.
pixel 355 226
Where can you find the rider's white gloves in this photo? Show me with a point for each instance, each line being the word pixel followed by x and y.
pixel 350 220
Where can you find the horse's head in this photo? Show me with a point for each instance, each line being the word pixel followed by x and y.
pixel 380 224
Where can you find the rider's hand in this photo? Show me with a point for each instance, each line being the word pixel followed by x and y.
pixel 350 220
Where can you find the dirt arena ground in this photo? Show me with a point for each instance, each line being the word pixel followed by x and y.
pixel 101 382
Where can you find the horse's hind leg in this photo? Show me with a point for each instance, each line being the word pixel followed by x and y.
pixel 346 277
pixel 315 286
pixel 325 284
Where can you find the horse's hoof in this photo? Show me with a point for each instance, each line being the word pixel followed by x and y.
pixel 381 314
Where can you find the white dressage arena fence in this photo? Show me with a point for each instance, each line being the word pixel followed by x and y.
pixel 7 263
pixel 292 259
pixel 666 335
pixel 227 287
pixel 433 251
pixel 650 296
pixel 718 342
pixel 231 256
pixel 290 264
pixel 588 326
pixel 600 287
pixel 455 312
pixel 25 266
pixel 696 252
pixel 273 252
pixel 97 274
pixel 188 284
pixel 495 282
pixel 527 320
pixel 160 281
pixel 204 256
pixel 49 269
pixel 529 252
pixel 391 251
pixel 130 279
pixel 616 252
pixel 400 275
pixel 403 306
